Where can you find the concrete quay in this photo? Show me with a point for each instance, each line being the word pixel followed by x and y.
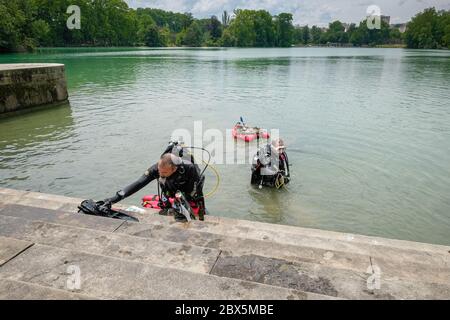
pixel 49 251
pixel 27 85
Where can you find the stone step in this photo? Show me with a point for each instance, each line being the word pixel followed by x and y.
pixel 10 248
pixel 333 268
pixel 60 217
pixel 293 235
pixel 251 229
pixel 394 262
pixel 37 199
pixel 111 278
pixel 159 253
pixel 163 228
pixel 324 280
pixel 340 273
pixel 17 290
pixel 150 251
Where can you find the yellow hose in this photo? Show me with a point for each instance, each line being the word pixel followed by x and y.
pixel 216 187
pixel 218 180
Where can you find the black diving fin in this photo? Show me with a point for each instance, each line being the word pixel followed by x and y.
pixel 90 207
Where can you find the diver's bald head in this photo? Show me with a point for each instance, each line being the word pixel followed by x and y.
pixel 167 165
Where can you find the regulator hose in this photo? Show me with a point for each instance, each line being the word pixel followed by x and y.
pixel 208 165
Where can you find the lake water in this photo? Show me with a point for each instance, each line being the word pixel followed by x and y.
pixel 367 130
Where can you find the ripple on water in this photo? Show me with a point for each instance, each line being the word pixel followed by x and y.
pixel 368 131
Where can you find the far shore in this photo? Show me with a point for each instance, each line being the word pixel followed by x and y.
pixel 385 46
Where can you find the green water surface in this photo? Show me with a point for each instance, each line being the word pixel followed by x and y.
pixel 368 131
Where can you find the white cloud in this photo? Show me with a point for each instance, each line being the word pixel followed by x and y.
pixel 312 12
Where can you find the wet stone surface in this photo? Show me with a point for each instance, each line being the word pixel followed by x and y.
pixel 271 271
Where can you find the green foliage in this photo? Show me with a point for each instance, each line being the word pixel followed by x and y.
pixel 228 39
pixel 25 24
pixel 40 31
pixel 339 34
pixel 11 23
pixel 372 37
pixel 257 28
pixel 215 28
pixel 316 35
pixel 302 35
pixel 154 37
pixel 429 30
pixel 192 36
pixel 284 29
pixel 242 28
pixel 175 22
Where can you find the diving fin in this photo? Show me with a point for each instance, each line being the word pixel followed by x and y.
pixel 90 207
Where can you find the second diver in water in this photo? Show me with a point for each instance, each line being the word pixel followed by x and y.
pixel 270 166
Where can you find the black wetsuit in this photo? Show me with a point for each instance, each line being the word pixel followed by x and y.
pixel 276 167
pixel 186 179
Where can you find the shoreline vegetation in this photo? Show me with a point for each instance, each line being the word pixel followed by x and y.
pixel 30 24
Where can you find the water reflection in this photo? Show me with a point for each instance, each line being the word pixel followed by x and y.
pixel 268 205
pixel 33 141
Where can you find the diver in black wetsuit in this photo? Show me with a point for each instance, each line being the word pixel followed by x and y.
pixel 174 174
pixel 271 166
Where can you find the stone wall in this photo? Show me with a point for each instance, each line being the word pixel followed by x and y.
pixel 24 86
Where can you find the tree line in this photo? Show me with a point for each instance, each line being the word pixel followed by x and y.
pixel 27 24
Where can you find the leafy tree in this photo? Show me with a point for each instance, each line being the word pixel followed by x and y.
pixel 429 30
pixel 242 28
pixel 40 30
pixel 154 37
pixel 192 36
pixel 336 31
pixel 445 27
pixel 11 22
pixel 228 39
pixel 306 35
pixel 265 34
pixel 371 37
pixel 215 28
pixel 316 34
pixel 285 29
pixel 25 24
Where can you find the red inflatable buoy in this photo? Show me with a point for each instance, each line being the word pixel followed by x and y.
pixel 249 134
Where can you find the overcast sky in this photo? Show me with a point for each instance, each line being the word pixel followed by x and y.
pixel 311 12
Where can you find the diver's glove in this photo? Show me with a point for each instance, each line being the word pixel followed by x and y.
pixel 110 201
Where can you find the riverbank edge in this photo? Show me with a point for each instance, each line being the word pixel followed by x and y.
pixel 399 46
